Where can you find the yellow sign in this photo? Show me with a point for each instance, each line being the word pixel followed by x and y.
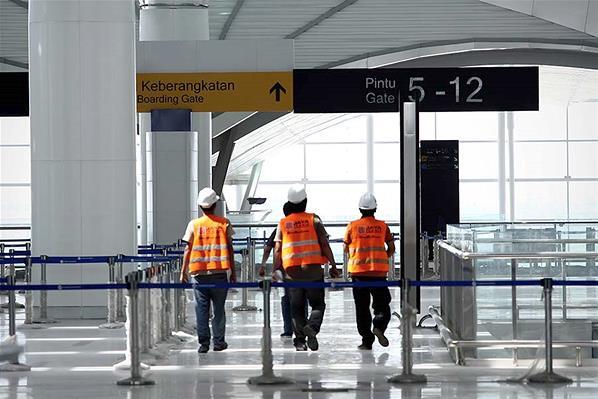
pixel 215 92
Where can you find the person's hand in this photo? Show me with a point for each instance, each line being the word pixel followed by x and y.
pixel 183 278
pixel 262 271
pixel 233 278
pixel 277 275
pixel 334 272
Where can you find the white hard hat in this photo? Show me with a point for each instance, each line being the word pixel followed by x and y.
pixel 207 197
pixel 296 194
pixel 367 202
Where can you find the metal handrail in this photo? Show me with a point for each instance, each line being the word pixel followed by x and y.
pixel 515 255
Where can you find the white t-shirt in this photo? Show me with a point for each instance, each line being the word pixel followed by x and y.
pixel 230 232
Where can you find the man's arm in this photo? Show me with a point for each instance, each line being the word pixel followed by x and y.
pixel 326 250
pixel 277 256
pixel 390 243
pixel 231 254
pixel 265 256
pixel 186 258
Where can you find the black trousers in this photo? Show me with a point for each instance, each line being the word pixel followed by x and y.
pixel 300 297
pixel 380 298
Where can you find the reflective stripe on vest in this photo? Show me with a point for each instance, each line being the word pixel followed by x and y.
pixel 367 251
pixel 300 245
pixel 210 249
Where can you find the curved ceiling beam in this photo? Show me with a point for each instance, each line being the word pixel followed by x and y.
pixel 319 19
pixel 230 19
pixel 14 63
pixel 21 3
pixel 378 59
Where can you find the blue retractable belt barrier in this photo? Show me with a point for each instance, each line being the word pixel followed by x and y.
pixel 149 252
pixel 15 253
pixel 12 261
pixel 72 259
pixel 62 287
pixel 141 259
pixel 3 280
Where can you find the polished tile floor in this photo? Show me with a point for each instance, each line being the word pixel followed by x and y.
pixel 74 359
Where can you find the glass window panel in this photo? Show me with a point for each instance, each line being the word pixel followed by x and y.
pixel 540 160
pixel 583 161
pixel 14 130
pixel 336 162
pixel 15 205
pixel 387 161
pixel 15 165
pixel 583 121
pixel 388 196
pixel 478 201
pixel 478 160
pixel 540 200
pixel 582 200
pixel 334 202
pixel 284 164
pixel 233 193
pixel 467 125
pixel 387 126
pixel 352 130
pixel 548 123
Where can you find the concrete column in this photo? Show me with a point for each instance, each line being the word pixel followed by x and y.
pixel 82 86
pixel 143 127
pixel 370 153
pixel 501 167
pixel 511 138
pixel 177 20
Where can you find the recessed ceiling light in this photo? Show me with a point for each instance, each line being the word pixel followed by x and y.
pixel 224 13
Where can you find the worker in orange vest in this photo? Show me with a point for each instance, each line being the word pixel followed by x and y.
pixel 302 248
pixel 208 258
pixel 369 244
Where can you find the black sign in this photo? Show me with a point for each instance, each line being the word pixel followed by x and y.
pixel 14 94
pixel 436 89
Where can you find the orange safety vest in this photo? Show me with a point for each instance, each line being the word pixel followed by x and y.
pixel 300 245
pixel 210 244
pixel 367 253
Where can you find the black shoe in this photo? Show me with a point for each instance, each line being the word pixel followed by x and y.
pixel 221 347
pixel 380 335
pixel 300 347
pixel 312 341
pixel 365 347
pixel 286 336
pixel 203 349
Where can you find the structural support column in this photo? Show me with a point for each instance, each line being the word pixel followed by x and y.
pixel 82 100
pixel 370 153
pixel 174 201
pixel 502 184
pixel 511 138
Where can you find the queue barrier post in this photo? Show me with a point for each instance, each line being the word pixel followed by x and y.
pixel 2 266
pixel 120 300
pixel 13 364
pixel 43 295
pixel 407 376
pixel 136 379
pixel 548 376
pixel 28 294
pixel 245 264
pixel 111 319
pixel 268 377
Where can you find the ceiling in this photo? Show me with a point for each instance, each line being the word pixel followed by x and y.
pixel 336 33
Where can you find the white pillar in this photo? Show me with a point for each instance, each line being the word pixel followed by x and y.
pixel 178 20
pixel 82 86
pixel 510 135
pixel 501 167
pixel 370 153
pixel 143 126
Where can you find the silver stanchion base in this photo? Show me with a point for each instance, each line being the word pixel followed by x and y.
pixel 548 378
pixel 135 381
pixel 408 379
pixel 111 326
pixel 45 321
pixel 30 326
pixel 14 367
pixel 245 308
pixel 269 380
pixel 17 305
